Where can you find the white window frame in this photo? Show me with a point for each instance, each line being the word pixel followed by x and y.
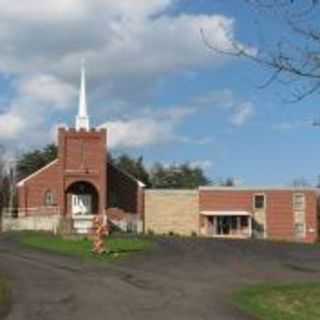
pixel 298 194
pixel 264 201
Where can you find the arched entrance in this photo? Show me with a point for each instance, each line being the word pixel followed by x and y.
pixel 82 199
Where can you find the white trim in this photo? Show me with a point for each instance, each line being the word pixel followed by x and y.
pixel 173 191
pixel 293 201
pixel 226 213
pixel 22 182
pixel 141 184
pixel 258 188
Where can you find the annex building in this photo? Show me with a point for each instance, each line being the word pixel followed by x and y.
pixel 65 195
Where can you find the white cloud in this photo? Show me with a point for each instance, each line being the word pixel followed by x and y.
pixel 36 99
pixel 151 128
pixel 11 125
pixel 242 113
pixel 129 46
pixel 137 133
pixel 33 10
pixel 47 89
pixel 121 39
pixel 54 10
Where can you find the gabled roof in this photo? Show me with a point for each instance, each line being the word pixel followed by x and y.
pixel 22 182
pixel 138 182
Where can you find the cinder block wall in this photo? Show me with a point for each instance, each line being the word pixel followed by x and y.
pixel 172 211
pixel 37 223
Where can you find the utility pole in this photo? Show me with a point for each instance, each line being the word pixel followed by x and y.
pixel 12 182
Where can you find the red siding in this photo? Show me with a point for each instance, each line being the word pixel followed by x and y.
pixel 280 215
pixel 225 200
pixel 279 209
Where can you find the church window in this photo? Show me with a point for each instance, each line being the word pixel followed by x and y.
pixel 48 199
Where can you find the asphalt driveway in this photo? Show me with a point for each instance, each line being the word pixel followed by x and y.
pixel 180 279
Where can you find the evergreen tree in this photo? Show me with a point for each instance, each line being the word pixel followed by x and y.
pixel 177 177
pixel 181 176
pixel 32 161
pixel 134 167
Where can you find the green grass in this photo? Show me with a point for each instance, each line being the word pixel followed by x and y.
pixel 4 297
pixel 118 246
pixel 281 302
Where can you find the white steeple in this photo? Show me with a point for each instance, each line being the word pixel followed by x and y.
pixel 82 119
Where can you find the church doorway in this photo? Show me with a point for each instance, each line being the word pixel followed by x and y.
pixel 82 204
pixel 82 199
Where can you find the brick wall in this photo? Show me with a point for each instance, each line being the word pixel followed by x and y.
pixel 31 193
pixel 281 215
pixel 172 211
pixel 225 200
pixel 278 216
pixel 312 217
pixel 81 158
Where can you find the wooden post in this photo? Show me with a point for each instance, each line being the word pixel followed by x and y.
pixel 250 226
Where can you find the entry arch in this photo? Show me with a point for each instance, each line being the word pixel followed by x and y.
pixel 82 198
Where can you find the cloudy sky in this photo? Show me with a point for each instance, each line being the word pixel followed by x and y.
pixel 154 84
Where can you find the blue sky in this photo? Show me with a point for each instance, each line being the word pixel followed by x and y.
pixel 155 86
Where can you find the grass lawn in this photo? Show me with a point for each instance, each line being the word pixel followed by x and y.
pixel 281 302
pixel 4 297
pixel 118 246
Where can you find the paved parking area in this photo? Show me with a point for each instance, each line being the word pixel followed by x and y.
pixel 179 279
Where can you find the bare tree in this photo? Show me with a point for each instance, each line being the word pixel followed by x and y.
pixel 294 59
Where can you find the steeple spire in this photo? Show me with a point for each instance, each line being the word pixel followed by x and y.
pixel 82 119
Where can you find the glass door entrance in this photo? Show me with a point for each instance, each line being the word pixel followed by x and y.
pixel 224 226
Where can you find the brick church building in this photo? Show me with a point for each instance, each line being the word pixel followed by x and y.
pixel 81 182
